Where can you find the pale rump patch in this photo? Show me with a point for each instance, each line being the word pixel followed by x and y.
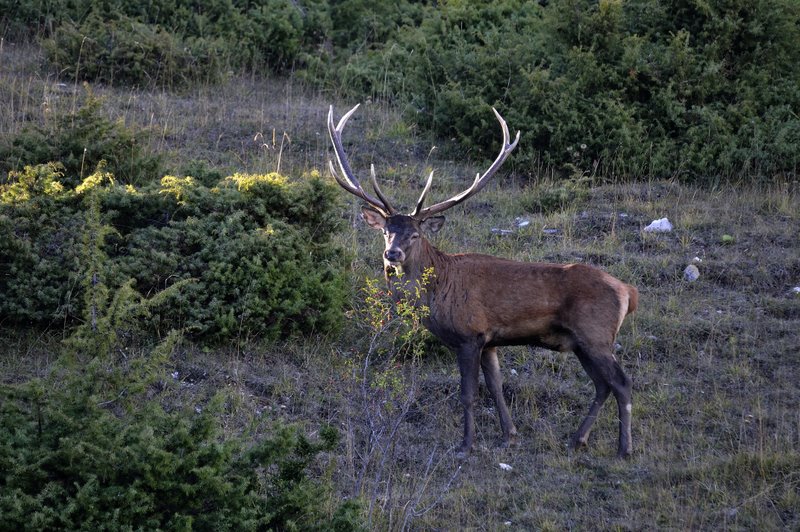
pixel 624 301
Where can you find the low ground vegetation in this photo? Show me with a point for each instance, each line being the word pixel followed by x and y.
pixel 714 362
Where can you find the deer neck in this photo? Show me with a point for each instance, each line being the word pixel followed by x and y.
pixel 416 279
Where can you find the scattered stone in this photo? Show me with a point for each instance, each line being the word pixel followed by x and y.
pixel 796 290
pixel 662 225
pixel 514 373
pixel 691 273
pixel 505 467
pixel 550 231
pixel 519 223
pixel 697 259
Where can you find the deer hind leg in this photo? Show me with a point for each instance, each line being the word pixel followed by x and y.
pixel 494 382
pixel 602 391
pixel 608 377
pixel 468 365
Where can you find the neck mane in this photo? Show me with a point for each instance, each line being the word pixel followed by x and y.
pixel 422 269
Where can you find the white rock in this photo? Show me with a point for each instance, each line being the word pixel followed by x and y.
pixel 796 289
pixel 691 273
pixel 505 467
pixel 501 232
pixel 662 225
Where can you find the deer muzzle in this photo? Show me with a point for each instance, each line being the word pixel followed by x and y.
pixel 394 256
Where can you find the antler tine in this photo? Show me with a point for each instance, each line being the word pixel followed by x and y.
pixel 480 180
pixel 350 183
pixel 377 189
pixel 421 199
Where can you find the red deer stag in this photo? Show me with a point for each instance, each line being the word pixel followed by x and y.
pixel 479 302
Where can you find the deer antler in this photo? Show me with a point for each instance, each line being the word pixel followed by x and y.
pixel 381 203
pixel 350 183
pixel 477 185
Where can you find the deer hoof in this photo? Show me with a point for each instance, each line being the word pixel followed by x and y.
pixel 510 442
pixel 624 454
pixel 463 452
pixel 576 444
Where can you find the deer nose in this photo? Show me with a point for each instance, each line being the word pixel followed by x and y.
pixel 394 255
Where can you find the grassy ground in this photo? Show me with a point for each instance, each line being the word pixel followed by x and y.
pixel 715 362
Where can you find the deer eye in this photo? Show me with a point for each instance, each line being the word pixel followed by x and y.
pixel 414 236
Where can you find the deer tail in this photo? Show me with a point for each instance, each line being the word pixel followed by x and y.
pixel 633 298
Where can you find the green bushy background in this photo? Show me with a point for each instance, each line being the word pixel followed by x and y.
pixel 627 89
pixel 170 43
pixel 702 90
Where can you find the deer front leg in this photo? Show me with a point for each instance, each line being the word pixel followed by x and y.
pixel 468 363
pixel 494 382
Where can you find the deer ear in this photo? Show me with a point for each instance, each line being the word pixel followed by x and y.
pixel 433 224
pixel 373 218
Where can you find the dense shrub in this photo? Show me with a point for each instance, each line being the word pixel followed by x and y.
pixel 363 24
pixel 39 250
pixel 124 51
pixel 650 87
pixel 259 249
pixel 254 252
pixel 177 42
pixel 100 443
pixel 79 141
pixel 171 42
pixel 69 463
